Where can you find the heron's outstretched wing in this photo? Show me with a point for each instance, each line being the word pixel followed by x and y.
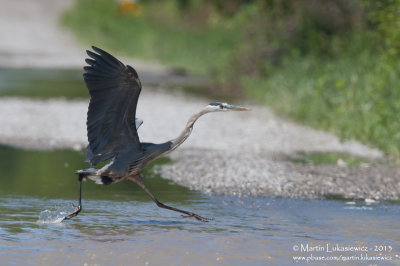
pixel 114 89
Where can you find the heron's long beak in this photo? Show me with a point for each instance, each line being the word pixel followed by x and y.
pixel 236 108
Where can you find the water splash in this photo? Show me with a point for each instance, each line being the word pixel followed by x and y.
pixel 54 215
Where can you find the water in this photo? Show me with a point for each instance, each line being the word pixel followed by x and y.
pixel 120 225
pixel 50 83
pixel 42 83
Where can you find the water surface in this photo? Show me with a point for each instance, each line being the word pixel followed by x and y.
pixel 42 83
pixel 119 224
pixel 51 83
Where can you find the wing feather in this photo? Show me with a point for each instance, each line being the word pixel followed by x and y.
pixel 114 89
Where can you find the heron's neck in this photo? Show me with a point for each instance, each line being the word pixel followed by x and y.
pixel 187 130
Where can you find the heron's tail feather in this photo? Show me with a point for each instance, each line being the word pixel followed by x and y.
pixel 86 172
pixel 91 173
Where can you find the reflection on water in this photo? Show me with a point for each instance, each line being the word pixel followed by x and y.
pixel 119 224
pixel 51 175
pixel 42 83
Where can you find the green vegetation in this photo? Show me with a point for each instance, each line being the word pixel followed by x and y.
pixel 156 35
pixel 353 97
pixel 328 158
pixel 330 64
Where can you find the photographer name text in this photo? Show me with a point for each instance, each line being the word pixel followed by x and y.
pixel 331 248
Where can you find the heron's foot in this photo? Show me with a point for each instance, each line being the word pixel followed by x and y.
pixel 197 217
pixel 75 213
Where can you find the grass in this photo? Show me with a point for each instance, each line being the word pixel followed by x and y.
pixel 328 158
pixel 154 37
pixel 354 94
pixel 354 97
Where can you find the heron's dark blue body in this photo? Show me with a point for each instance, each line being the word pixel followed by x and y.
pixel 114 90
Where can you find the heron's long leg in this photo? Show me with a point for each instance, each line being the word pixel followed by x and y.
pixel 138 180
pixel 79 207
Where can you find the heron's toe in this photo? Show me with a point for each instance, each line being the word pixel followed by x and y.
pixel 197 217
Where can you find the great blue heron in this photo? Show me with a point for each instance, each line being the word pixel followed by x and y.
pixel 112 127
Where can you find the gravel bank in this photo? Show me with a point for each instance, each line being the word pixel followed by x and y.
pixel 227 153
pixel 260 174
pixel 58 123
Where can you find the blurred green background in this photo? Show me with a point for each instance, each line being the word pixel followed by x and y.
pixel 332 64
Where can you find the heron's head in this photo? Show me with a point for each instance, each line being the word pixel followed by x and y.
pixel 217 106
